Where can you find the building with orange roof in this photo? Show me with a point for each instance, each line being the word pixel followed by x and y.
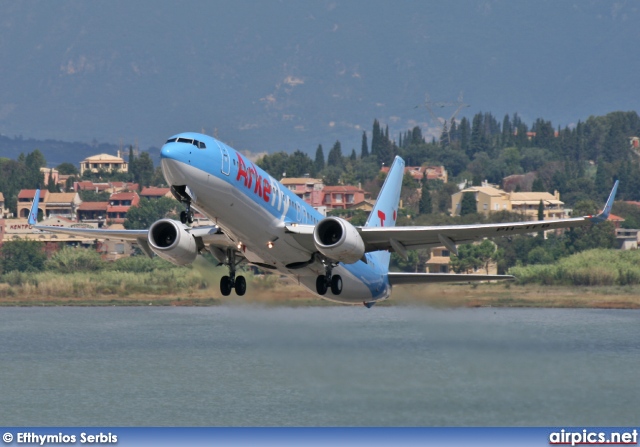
pixel 418 172
pixel 343 196
pixel 308 189
pixel 62 204
pixel 104 162
pixel 155 193
pixel 93 212
pixel 119 204
pixel 25 199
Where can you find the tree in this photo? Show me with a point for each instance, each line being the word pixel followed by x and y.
pixel 468 204
pixel 364 151
pixel 148 211
pixel 67 169
pixel 52 186
pixel 143 170
pixel 299 164
pixel 23 256
pixel 538 185
pixel 425 206
pixel 474 256
pixel 335 156
pixel 275 164
pixel 541 217
pixel 319 161
pixel 541 210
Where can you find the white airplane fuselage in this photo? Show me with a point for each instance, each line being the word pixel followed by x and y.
pixel 252 209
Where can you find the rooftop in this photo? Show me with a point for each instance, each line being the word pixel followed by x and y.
pixel 103 158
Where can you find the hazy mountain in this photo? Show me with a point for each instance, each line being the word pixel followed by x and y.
pixel 281 75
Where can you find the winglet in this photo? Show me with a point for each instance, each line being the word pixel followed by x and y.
pixel 607 207
pixel 33 215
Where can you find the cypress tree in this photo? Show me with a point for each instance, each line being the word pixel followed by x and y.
pixel 318 164
pixel 376 138
pixel 425 205
pixel 335 156
pixel 365 146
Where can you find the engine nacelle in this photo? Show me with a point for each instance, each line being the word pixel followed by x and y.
pixel 339 240
pixel 169 240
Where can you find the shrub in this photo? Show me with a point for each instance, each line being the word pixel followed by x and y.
pixel 70 260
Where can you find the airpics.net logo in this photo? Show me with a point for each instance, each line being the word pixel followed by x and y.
pixel 586 437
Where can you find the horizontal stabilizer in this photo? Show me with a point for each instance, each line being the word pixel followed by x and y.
pixel 424 278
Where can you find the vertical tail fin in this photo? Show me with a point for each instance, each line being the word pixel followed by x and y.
pixel 385 213
pixel 33 214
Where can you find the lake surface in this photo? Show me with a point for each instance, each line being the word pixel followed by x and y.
pixel 324 366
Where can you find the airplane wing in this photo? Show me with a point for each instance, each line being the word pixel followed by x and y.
pixel 425 278
pixel 402 239
pixel 210 237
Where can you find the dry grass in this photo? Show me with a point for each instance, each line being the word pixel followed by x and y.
pixel 200 287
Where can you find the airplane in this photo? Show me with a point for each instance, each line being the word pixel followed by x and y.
pixel 261 222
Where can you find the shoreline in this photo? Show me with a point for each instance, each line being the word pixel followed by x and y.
pixel 433 295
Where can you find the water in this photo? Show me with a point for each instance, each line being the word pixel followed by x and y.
pixel 327 366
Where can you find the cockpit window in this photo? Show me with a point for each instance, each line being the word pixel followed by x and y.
pixel 196 143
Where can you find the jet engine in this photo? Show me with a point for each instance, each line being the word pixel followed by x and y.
pixel 169 240
pixel 339 240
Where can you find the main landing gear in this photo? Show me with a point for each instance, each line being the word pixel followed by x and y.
pixel 228 283
pixel 326 281
pixel 187 215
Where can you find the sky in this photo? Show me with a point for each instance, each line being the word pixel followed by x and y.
pixel 286 75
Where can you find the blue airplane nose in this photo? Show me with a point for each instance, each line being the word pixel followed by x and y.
pixel 166 151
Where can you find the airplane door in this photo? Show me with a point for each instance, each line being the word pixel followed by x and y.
pixel 225 166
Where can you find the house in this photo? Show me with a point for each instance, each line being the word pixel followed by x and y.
pixel 627 239
pixel 93 212
pixel 155 193
pixel 4 212
pixel 439 260
pixel 418 172
pixel 119 204
pixel 615 220
pixel 63 204
pixel 109 187
pixel 48 173
pixel 491 199
pixel 308 189
pixel 25 199
pixel 104 162
pixel 19 229
pixel 343 196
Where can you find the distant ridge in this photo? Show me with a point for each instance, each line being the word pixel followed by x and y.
pixel 57 152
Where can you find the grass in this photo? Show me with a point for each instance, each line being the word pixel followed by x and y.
pixel 589 268
pixel 605 279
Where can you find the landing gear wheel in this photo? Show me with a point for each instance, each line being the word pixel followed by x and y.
pixel 336 284
pixel 189 217
pixel 226 286
pixel 321 285
pixel 241 285
pixel 183 217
